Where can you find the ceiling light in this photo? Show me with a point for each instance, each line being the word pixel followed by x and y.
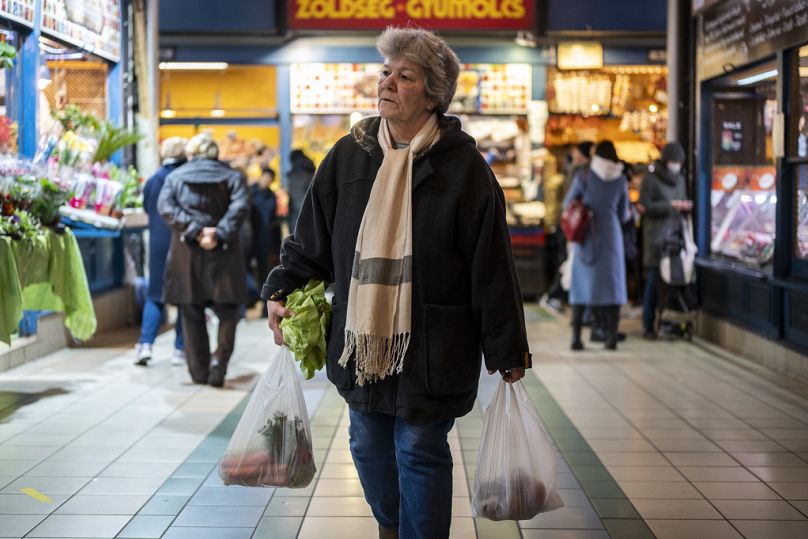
pixel 194 66
pixel 757 77
pixel 168 112
pixel 217 111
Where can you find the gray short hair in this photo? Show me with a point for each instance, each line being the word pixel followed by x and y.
pixel 426 49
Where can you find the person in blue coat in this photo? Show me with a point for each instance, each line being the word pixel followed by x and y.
pixel 598 268
pixel 172 151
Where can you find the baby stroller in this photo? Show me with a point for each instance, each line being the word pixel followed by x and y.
pixel 677 299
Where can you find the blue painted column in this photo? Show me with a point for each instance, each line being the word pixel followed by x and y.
pixel 284 105
pixel 29 59
pixel 115 90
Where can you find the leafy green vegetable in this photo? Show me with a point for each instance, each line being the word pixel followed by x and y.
pixel 306 330
pixel 113 139
pixel 7 55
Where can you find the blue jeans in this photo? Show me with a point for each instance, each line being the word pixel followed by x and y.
pixel 414 455
pixel 649 303
pixel 152 316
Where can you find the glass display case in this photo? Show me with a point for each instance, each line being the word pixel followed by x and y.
pixel 744 202
pixel 744 179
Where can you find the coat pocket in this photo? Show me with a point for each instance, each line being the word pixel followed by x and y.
pixel 342 377
pixel 453 353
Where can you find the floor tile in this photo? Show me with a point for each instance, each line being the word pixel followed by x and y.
pixel 632 458
pixel 644 489
pixel 21 504
pixel 103 505
pixel 769 459
pixel 768 529
pixel 687 446
pixel 345 527
pixel 566 518
pixel 219 516
pixel 614 508
pixel 146 527
pixel 122 485
pixel 48 485
pixel 338 506
pixel 757 510
pixel 278 528
pixel 723 474
pixel 163 504
pixel 339 487
pixel 701 459
pixel 139 469
pixel 18 525
pixel 693 529
pixel 179 532
pixel 287 506
pixel 736 491
pixel 751 446
pixel 628 529
pixel 791 491
pixel 233 495
pixel 778 474
pixel 180 486
pixel 80 526
pixel 564 534
pixel 645 473
pixel 675 509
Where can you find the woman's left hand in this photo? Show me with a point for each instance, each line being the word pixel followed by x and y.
pixel 511 375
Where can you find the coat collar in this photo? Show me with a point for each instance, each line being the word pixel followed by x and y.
pixel 365 134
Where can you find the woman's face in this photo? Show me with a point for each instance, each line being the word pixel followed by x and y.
pixel 402 94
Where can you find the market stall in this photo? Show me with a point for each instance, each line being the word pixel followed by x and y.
pixel 625 104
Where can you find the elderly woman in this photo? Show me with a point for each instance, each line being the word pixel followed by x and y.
pixel 408 222
pixel 598 267
pixel 205 203
pixel 172 150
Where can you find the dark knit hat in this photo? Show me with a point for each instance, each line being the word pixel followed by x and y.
pixel 606 150
pixel 585 148
pixel 673 151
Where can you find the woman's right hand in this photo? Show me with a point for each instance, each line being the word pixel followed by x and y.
pixel 276 310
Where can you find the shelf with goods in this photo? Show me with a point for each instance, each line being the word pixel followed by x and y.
pixel 625 104
pixel 93 25
pixel 19 11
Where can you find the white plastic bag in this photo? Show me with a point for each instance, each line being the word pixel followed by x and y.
pixel 271 446
pixel 516 467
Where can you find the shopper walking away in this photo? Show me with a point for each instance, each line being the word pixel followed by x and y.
pixel 172 151
pixel 205 202
pixel 663 197
pixel 299 179
pixel 598 268
pixel 407 202
pixel 266 236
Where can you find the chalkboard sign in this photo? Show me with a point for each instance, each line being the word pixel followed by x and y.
pixel 738 134
pixel 736 32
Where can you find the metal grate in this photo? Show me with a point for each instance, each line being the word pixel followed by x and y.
pixel 78 83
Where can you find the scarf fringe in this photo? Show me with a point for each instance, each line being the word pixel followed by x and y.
pixel 377 356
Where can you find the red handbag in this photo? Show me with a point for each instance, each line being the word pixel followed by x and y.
pixel 575 220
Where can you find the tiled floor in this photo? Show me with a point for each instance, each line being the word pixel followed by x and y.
pixel 666 439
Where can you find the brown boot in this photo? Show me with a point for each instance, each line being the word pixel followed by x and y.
pixel 387 533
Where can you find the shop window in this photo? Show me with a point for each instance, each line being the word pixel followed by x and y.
pixel 802 103
pixel 801 245
pixel 744 177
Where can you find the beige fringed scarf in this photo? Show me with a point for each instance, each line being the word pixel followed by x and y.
pixel 378 323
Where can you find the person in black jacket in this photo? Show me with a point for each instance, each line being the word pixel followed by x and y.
pixel 407 221
pixel 172 150
pixel 266 232
pixel 205 202
pixel 298 179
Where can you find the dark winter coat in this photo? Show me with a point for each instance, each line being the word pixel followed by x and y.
pixel 299 178
pixel 205 193
pixel 159 232
pixel 265 230
pixel 658 189
pixel 465 297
